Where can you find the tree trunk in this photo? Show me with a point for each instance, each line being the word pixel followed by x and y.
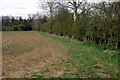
pixel 118 46
pixel 75 11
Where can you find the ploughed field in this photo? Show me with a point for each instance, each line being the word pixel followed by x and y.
pixel 27 54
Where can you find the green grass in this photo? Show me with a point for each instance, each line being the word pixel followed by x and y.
pixel 88 59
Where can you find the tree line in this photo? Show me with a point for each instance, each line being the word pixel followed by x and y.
pixel 95 22
pixel 10 23
pixel 92 22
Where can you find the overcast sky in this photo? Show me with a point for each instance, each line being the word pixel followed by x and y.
pixel 18 7
pixel 22 7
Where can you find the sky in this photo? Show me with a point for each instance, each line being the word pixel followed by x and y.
pixel 22 7
pixel 18 7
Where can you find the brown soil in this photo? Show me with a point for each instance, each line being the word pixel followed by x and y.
pixel 103 75
pixel 26 53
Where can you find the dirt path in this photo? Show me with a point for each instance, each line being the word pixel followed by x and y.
pixel 26 53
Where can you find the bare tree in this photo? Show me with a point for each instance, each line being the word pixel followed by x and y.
pixel 72 4
pixel 48 6
pixel 36 21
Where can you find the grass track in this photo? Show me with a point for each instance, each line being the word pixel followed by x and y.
pixel 87 59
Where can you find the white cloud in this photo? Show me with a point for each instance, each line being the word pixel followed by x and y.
pixel 18 7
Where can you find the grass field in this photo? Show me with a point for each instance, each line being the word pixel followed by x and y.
pixel 37 54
